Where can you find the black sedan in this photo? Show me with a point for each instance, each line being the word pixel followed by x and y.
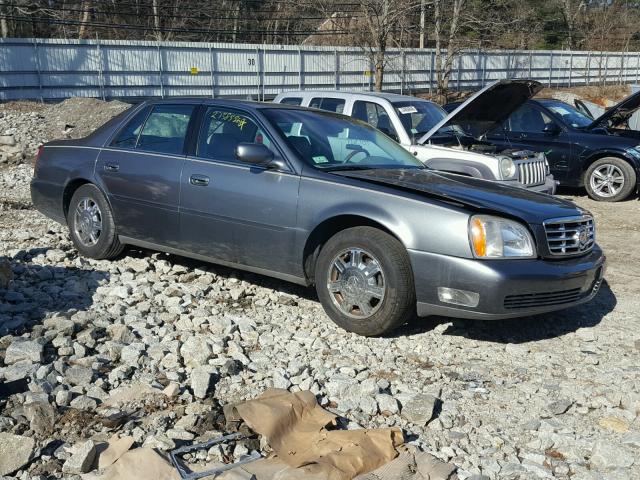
pixel 318 198
pixel 602 154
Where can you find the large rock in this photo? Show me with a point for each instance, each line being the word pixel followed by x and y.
pixel 606 456
pixel 15 452
pixel 420 408
pixel 202 380
pixel 78 375
pixel 21 349
pixel 195 351
pixel 81 459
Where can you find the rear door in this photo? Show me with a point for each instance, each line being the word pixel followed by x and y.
pixel 233 211
pixel 140 172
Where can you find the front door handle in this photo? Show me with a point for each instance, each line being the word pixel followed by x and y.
pixel 111 167
pixel 199 180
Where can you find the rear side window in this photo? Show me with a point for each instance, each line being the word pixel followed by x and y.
pixel 375 115
pixel 329 104
pixel 292 101
pixel 128 136
pixel 165 129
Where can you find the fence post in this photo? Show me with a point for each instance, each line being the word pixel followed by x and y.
pixel 100 73
pixel 258 79
pixel 37 57
pixel 484 68
pixel 403 73
pixel 212 60
pixel 336 67
pixel 300 66
pixel 431 72
pixel 637 67
pixel 458 72
pixel 621 69
pixel 530 63
pixel 606 68
pixel 550 67
pixel 588 72
pixel 160 70
pixel 570 67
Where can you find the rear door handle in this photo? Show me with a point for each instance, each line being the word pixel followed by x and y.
pixel 199 180
pixel 111 167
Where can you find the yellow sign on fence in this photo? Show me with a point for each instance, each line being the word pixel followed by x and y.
pixel 368 73
pixel 194 70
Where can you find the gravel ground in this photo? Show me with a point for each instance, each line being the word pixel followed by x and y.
pixel 553 396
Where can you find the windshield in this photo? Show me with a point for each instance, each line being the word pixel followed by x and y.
pixel 333 142
pixel 569 114
pixel 418 117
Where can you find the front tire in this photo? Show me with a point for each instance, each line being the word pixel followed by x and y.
pixel 364 281
pixel 610 179
pixel 91 224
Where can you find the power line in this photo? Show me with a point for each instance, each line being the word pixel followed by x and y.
pixel 50 21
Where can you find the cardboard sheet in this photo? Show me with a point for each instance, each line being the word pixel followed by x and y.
pixel 138 464
pixel 296 428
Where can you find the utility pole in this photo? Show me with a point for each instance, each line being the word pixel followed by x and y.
pixel 422 19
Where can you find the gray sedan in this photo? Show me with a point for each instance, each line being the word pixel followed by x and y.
pixel 318 198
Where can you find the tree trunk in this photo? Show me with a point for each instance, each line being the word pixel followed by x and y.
pixel 379 66
pixel 86 10
pixel 156 21
pixel 4 26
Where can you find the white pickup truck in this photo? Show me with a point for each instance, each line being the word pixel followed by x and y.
pixel 425 129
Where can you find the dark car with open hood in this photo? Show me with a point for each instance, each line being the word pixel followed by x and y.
pixel 601 154
pixel 320 199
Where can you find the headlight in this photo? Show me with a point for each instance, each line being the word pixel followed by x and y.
pixel 495 237
pixel 507 168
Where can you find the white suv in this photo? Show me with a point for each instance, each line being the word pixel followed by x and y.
pixel 447 147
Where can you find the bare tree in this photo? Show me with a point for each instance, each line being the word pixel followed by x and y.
pixel 85 6
pixel 572 11
pixel 447 22
pixel 4 26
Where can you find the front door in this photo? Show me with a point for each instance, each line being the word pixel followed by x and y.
pixel 233 211
pixel 529 128
pixel 140 172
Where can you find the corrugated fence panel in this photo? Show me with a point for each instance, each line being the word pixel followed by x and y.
pixel 57 68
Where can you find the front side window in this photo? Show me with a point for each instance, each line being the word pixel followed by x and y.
pixel 165 129
pixel 418 116
pixel 528 119
pixel 223 129
pixel 375 115
pixel 333 142
pixel 570 115
pixel 128 136
pixel 291 101
pixel 329 104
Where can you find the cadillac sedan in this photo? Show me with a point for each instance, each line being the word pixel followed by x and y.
pixel 320 199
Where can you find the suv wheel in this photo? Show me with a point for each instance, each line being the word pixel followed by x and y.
pixel 610 179
pixel 91 224
pixel 364 281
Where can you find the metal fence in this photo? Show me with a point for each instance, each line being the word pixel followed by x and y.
pixel 55 69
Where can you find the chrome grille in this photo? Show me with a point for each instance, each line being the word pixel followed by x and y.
pixel 532 172
pixel 570 236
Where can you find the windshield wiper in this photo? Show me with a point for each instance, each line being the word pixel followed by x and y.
pixel 345 167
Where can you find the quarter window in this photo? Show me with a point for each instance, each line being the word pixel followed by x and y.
pixel 165 129
pixel 329 104
pixel 376 116
pixel 222 130
pixel 291 101
pixel 128 136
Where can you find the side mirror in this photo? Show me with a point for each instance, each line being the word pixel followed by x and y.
pixel 255 154
pixel 551 129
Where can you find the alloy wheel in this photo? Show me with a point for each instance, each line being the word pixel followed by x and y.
pixel 356 283
pixel 607 180
pixel 87 222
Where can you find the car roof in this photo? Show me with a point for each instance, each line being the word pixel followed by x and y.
pixel 230 102
pixel 327 93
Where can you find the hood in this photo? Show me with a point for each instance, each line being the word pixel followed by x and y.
pixel 487 108
pixel 618 114
pixel 481 195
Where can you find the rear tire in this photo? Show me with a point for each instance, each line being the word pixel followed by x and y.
pixel 91 224
pixel 610 179
pixel 364 281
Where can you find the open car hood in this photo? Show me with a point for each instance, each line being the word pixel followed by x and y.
pixel 487 108
pixel 618 114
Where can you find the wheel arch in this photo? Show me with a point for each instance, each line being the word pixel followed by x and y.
pixel 327 229
pixel 604 154
pixel 71 187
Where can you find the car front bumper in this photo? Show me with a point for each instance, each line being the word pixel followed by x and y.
pixel 507 288
pixel 549 186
